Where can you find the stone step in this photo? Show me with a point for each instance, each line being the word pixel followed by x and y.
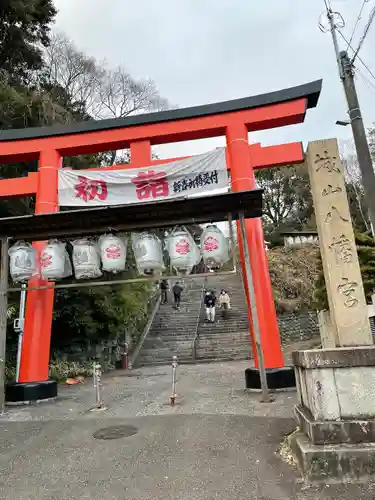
pixel 231 350
pixel 174 327
pixel 226 344
pixel 218 318
pixel 168 347
pixel 193 318
pixel 237 332
pixel 229 340
pixel 167 344
pixel 170 335
pixel 223 358
pixel 219 333
pixel 170 338
pixel 223 348
pixel 230 326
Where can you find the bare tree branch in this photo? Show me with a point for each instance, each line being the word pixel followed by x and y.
pixel 101 92
pixel 353 176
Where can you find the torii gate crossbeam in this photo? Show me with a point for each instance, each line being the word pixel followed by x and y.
pixel 232 119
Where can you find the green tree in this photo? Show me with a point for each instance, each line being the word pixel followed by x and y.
pixel 24 30
pixel 287 199
pixel 84 317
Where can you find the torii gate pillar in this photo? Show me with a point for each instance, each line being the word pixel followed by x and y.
pixel 242 175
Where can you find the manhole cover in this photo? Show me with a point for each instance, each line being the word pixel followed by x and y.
pixel 116 432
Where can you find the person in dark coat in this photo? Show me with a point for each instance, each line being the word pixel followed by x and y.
pixel 177 291
pixel 210 303
pixel 164 287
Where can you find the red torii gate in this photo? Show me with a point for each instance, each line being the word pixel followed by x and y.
pixel 234 119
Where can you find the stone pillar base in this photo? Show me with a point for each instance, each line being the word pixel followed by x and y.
pixel 340 463
pixel 323 432
pixel 335 414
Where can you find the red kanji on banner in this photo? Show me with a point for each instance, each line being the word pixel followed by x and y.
pixel 89 189
pixel 151 184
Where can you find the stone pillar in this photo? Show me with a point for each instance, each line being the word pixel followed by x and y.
pixel 346 298
pixel 327 329
pixel 336 386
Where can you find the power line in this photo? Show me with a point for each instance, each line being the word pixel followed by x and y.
pixel 365 65
pixel 359 17
pixel 368 82
pixel 368 25
pixel 359 58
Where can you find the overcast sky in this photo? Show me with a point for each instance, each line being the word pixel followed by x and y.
pixel 204 51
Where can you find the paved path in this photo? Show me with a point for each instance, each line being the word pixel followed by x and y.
pixel 216 443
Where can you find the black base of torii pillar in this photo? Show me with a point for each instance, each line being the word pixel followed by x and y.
pixel 277 378
pixel 30 392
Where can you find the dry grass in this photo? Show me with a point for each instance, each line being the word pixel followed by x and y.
pixel 286 452
pixel 293 275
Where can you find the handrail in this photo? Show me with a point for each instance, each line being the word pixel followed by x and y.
pixel 146 331
pixel 196 335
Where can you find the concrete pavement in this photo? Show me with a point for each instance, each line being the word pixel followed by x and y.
pixel 216 443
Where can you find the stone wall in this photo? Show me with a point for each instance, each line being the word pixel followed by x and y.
pixel 299 326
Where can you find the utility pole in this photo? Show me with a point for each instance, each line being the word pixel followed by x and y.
pixel 346 73
pixel 359 134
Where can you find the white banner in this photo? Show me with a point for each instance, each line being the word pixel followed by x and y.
pixel 195 176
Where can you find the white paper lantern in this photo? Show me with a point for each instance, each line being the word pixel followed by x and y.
pixel 22 262
pixel 113 253
pixel 148 253
pixel 53 260
pixel 86 260
pixel 183 251
pixel 214 246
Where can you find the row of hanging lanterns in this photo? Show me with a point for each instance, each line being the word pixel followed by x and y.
pixel 90 258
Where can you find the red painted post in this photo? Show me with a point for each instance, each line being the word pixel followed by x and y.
pixel 140 154
pixel 242 175
pixel 39 303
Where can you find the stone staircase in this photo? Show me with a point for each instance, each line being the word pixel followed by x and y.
pixel 172 332
pixel 226 339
